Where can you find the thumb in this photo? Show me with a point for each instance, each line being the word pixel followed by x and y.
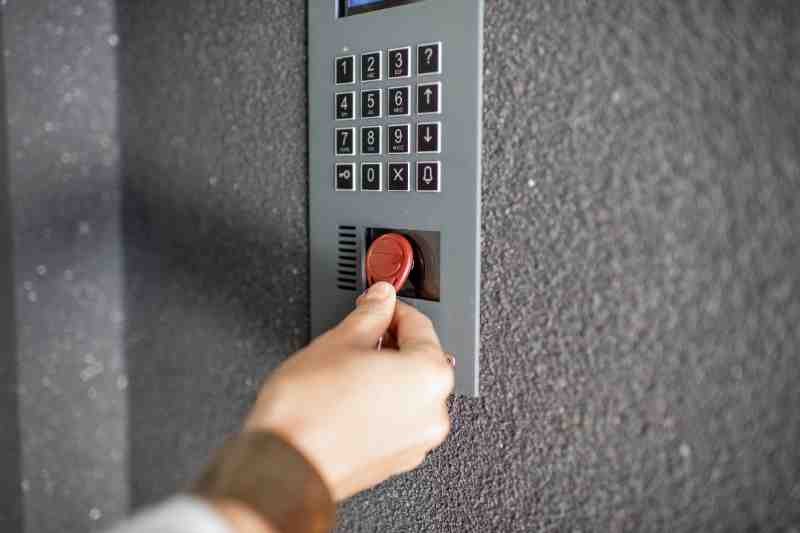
pixel 371 318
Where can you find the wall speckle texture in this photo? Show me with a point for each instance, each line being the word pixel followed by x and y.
pixel 641 289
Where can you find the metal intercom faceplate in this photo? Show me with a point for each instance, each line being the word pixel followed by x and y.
pixel 395 100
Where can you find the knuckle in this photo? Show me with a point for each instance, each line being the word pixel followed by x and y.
pixel 413 463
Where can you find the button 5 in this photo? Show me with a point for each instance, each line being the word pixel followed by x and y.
pixel 371 103
pixel 345 70
pixel 429 58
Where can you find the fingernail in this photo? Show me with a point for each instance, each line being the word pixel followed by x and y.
pixel 379 291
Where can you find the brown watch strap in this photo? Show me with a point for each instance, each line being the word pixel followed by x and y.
pixel 266 473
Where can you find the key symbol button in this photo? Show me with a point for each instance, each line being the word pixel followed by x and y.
pixel 344 177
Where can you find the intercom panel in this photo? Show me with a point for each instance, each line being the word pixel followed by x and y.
pixel 395 100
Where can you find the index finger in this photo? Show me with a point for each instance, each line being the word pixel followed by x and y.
pixel 413 330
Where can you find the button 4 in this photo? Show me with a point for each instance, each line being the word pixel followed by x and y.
pixel 398 101
pixel 345 106
pixel 429 58
pixel 371 176
pixel 429 137
pixel 429 176
pixel 371 103
pixel 372 66
pixel 398 177
pixel 398 139
pixel 371 140
pixel 345 141
pixel 345 70
pixel 345 177
pixel 399 62
pixel 429 98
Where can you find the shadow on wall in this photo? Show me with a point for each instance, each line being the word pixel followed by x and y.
pixel 215 296
pixel 11 515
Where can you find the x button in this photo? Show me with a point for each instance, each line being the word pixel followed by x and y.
pixel 398 177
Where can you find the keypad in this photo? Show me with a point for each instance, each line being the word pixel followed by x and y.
pixel 396 123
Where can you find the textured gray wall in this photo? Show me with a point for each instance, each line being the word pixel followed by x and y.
pixel 641 289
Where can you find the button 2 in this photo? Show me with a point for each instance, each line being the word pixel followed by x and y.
pixel 345 103
pixel 372 66
pixel 345 70
pixel 398 101
pixel 371 103
pixel 398 139
pixel 371 176
pixel 345 177
pixel 398 177
pixel 371 140
pixel 429 98
pixel 428 176
pixel 429 58
pixel 345 143
pixel 399 59
pixel 429 138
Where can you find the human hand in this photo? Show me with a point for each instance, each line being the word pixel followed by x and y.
pixel 361 415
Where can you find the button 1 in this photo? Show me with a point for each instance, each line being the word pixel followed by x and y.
pixel 399 59
pixel 372 66
pixel 371 176
pixel 398 177
pixel 429 138
pixel 345 143
pixel 371 140
pixel 429 58
pixel 345 70
pixel 398 101
pixel 398 139
pixel 428 176
pixel 345 103
pixel 429 98
pixel 371 103
pixel 345 177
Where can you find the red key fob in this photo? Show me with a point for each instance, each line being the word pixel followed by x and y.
pixel 390 258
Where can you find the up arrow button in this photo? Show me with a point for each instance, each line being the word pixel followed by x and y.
pixel 429 98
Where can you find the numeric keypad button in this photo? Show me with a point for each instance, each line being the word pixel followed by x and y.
pixel 345 104
pixel 398 177
pixel 371 176
pixel 372 66
pixel 398 101
pixel 371 103
pixel 345 141
pixel 371 140
pixel 429 58
pixel 429 176
pixel 399 60
pixel 345 70
pixel 429 138
pixel 429 98
pixel 398 139
pixel 345 177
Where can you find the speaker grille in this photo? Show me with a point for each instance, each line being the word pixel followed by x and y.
pixel 347 260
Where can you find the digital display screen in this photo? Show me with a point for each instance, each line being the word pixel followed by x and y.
pixel 354 7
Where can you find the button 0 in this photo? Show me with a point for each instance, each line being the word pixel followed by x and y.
pixel 429 138
pixel 398 177
pixel 345 70
pixel 398 101
pixel 371 140
pixel 345 142
pixel 372 66
pixel 371 176
pixel 398 139
pixel 429 176
pixel 345 177
pixel 371 103
pixel 429 98
pixel 429 58
pixel 345 103
pixel 399 62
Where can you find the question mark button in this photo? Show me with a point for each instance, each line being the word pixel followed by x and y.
pixel 429 58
